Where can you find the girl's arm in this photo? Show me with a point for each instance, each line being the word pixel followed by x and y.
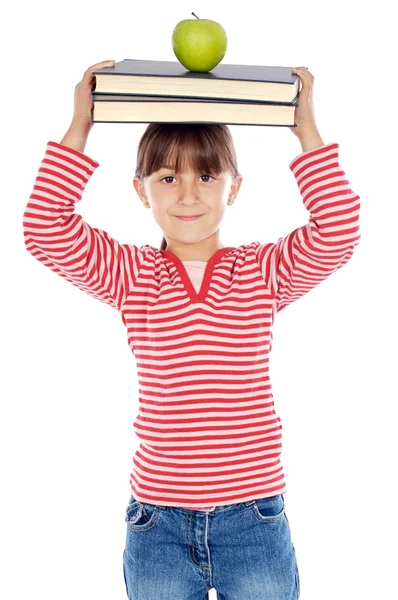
pixel 60 239
pixel 295 264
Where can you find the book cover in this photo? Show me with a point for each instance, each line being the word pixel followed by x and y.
pixel 169 68
pixel 225 81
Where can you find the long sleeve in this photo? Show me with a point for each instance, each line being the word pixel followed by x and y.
pixel 295 264
pixel 60 239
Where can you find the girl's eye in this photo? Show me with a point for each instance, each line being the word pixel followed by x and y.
pixel 172 177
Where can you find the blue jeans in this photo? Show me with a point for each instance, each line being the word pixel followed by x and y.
pixel 242 550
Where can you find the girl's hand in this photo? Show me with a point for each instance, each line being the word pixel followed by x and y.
pixel 83 98
pixel 304 115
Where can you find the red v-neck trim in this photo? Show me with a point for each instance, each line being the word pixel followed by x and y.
pixel 193 294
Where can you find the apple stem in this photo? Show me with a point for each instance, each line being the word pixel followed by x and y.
pixel 194 15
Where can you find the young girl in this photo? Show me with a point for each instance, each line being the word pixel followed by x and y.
pixel 206 506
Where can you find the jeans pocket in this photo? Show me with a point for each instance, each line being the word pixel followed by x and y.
pixel 141 516
pixel 269 510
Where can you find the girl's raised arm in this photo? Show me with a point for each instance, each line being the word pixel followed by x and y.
pixel 298 262
pixel 58 237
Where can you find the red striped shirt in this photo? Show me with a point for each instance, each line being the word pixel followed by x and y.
pixel 206 423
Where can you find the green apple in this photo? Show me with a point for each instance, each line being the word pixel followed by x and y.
pixel 199 44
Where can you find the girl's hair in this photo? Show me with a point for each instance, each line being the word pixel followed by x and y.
pixel 207 148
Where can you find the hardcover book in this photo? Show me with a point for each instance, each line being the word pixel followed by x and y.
pixel 256 83
pixel 166 109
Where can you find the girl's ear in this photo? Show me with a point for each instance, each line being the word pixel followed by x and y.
pixel 236 185
pixel 139 186
pixel 140 189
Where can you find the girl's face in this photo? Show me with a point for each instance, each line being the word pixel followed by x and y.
pixel 187 193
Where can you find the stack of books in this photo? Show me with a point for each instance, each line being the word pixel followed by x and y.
pixel 155 91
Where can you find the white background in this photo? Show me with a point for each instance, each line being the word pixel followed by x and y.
pixel 68 386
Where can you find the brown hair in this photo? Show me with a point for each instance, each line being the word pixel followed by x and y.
pixel 203 147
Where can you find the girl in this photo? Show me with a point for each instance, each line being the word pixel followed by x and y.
pixel 206 505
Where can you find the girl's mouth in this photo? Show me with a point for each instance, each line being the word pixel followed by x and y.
pixel 194 218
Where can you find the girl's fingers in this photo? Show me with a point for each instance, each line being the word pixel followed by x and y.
pixel 101 65
pixel 105 63
pixel 305 76
pixel 302 72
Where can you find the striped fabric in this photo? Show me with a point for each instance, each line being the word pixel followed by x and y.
pixel 208 433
